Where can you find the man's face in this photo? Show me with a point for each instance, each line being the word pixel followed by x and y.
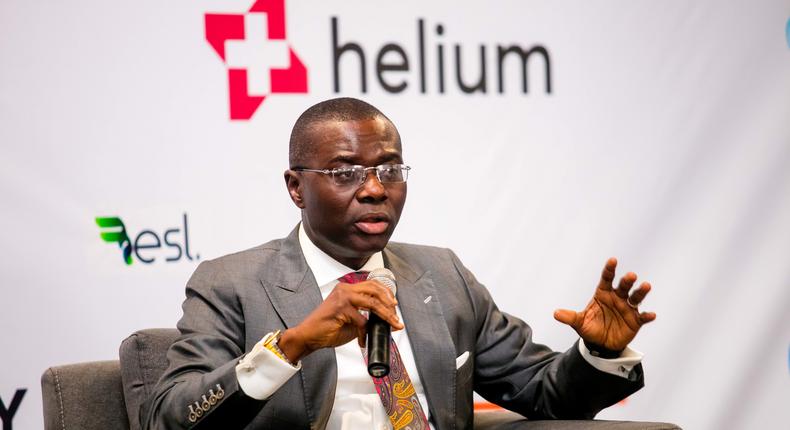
pixel 349 223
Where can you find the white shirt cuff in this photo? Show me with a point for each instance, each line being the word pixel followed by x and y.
pixel 261 372
pixel 620 366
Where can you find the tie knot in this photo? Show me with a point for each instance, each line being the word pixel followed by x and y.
pixel 354 277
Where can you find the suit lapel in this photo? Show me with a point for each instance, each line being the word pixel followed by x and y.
pixel 431 343
pixel 294 294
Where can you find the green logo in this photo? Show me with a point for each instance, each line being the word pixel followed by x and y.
pixel 115 232
pixel 148 246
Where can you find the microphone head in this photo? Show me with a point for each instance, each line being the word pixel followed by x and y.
pixel 385 277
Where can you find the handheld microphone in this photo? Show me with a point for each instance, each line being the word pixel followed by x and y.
pixel 378 336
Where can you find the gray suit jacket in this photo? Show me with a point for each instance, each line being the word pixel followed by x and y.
pixel 233 301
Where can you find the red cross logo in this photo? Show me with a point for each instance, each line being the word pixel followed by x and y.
pixel 259 59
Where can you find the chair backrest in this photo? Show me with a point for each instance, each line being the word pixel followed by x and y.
pixel 84 396
pixel 143 360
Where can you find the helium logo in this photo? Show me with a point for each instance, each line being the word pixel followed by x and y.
pixel 259 59
pixel 261 62
pixel 113 230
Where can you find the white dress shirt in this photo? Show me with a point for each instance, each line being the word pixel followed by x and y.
pixel 357 405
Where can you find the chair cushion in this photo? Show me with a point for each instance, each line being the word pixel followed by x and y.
pixel 143 360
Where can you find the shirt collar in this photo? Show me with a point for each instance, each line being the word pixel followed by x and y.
pixel 325 268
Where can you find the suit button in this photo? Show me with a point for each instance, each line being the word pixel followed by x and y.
pixel 193 415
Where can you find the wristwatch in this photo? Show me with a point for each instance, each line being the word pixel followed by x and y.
pixel 270 342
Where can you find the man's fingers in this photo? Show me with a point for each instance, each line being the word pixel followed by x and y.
pixel 387 313
pixel 640 293
pixel 377 299
pixel 646 317
pixel 371 295
pixel 374 289
pixel 607 276
pixel 390 317
pixel 566 316
pixel 626 282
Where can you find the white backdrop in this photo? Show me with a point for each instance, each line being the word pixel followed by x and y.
pixel 665 141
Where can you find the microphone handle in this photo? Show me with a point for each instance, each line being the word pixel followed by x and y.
pixel 378 341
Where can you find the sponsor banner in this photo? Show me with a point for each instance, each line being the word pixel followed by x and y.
pixel 139 139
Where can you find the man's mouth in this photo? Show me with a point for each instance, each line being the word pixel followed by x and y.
pixel 373 224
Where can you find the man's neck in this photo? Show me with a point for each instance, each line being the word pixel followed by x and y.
pixel 325 267
pixel 351 262
pixel 355 264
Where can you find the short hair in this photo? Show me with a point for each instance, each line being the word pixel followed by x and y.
pixel 338 109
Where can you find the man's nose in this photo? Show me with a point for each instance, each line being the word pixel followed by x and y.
pixel 372 188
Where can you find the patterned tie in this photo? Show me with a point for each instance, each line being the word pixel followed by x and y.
pixel 395 390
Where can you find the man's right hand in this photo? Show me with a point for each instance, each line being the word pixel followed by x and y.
pixel 337 320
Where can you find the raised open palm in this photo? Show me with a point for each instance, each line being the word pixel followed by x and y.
pixel 611 319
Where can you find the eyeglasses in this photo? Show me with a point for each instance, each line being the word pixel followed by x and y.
pixel 356 175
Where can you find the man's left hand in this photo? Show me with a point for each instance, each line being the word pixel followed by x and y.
pixel 611 319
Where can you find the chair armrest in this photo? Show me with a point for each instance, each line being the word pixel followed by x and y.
pixel 84 396
pixel 506 420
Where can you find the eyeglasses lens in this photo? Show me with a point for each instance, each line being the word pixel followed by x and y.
pixel 388 173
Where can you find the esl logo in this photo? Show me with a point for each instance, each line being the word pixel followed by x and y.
pixel 113 230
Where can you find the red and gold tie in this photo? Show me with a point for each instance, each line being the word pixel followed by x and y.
pixel 395 390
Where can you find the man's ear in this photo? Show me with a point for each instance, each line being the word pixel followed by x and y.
pixel 294 184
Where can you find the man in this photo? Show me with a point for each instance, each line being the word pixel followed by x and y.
pixel 266 336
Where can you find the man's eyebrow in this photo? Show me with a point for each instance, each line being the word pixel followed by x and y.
pixel 347 159
pixel 343 159
pixel 390 157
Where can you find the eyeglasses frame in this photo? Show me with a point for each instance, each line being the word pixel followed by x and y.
pixel 332 172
